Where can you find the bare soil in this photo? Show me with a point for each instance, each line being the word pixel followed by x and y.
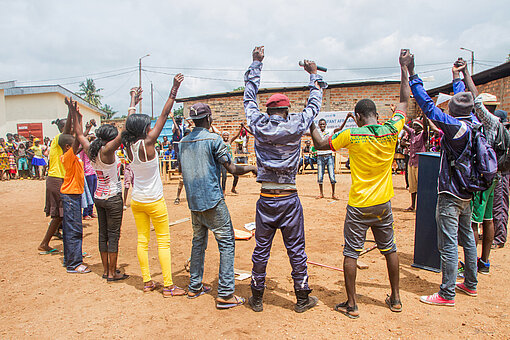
pixel 39 299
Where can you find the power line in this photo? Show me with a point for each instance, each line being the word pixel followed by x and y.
pixel 104 77
pixel 80 76
pixel 284 70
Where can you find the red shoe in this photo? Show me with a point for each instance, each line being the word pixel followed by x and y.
pixel 436 299
pixel 463 288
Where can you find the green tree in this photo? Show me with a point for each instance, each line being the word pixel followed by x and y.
pixel 109 111
pixel 240 88
pixel 90 92
pixel 179 111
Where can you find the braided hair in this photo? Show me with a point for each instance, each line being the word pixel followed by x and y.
pixel 104 134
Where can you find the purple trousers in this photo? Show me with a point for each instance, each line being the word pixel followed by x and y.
pixel 286 214
pixel 500 210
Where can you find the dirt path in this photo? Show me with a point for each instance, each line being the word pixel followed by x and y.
pixel 39 299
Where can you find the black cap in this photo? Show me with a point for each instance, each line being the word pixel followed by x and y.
pixel 199 111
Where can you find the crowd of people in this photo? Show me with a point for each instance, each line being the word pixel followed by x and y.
pixel 204 156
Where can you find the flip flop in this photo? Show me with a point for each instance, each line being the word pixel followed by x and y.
pixel 202 291
pixel 392 304
pixel 113 279
pixel 345 309
pixel 227 305
pixel 81 269
pixel 48 252
pixel 177 201
pixel 106 276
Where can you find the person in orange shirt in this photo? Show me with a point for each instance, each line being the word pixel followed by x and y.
pixel 71 191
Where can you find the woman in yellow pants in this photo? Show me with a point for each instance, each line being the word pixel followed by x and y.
pixel 147 201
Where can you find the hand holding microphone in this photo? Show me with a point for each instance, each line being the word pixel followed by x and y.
pixel 310 66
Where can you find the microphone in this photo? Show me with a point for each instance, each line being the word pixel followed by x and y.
pixel 319 68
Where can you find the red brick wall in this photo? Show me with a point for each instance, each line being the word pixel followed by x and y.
pixel 228 112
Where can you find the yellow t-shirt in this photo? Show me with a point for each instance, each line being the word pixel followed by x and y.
pixel 56 168
pixel 371 152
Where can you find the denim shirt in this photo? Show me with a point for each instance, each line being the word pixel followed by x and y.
pixel 201 155
pixel 457 132
pixel 278 140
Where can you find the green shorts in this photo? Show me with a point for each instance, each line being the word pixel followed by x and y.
pixel 481 204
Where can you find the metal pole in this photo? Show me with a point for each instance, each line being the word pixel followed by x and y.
pixel 472 62
pixel 152 101
pixel 140 82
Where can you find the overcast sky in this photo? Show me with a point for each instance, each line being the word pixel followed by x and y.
pixel 64 42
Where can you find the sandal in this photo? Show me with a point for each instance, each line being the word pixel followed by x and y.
pixel 81 269
pixel 345 309
pixel 149 286
pixel 177 201
pixel 113 279
pixel 170 291
pixel 202 291
pixel 225 305
pixel 395 306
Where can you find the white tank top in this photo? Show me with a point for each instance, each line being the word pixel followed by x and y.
pixel 108 178
pixel 148 187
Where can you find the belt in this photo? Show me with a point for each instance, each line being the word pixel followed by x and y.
pixel 277 192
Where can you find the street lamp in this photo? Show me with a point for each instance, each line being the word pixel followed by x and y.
pixel 472 58
pixel 140 78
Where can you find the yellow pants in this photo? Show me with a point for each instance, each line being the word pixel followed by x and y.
pixel 158 213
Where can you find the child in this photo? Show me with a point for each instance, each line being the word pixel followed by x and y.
pixel 71 191
pixel 38 161
pixel 22 161
pixel 4 163
pixel 12 163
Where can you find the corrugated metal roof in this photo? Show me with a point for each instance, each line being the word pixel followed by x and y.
pixel 27 90
pixel 495 73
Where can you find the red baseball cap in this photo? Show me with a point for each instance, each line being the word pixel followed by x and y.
pixel 278 100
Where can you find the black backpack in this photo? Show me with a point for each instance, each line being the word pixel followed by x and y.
pixel 476 166
pixel 502 148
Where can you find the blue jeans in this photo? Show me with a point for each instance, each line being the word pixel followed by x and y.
pixel 329 161
pixel 72 230
pixel 218 221
pixel 453 217
pixel 92 184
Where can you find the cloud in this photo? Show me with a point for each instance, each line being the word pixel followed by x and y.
pixel 355 39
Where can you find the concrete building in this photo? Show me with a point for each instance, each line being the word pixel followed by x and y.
pixel 31 109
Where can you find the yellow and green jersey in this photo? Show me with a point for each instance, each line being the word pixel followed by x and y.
pixel 371 152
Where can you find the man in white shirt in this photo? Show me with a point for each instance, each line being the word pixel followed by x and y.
pixel 325 158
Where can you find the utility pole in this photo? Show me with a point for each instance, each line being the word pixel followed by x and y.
pixel 152 100
pixel 140 79
pixel 472 59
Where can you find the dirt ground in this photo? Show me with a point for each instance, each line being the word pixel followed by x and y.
pixel 39 299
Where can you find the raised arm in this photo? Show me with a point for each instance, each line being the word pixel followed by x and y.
pixel 406 60
pixel 154 133
pixel 319 141
pixel 78 126
pixel 69 126
pixel 237 135
pixel 251 87
pixel 468 80
pixel 458 85
pixel 136 95
pixel 448 124
pixel 349 115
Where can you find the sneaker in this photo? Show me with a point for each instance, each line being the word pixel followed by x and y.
pixel 463 288
pixel 483 267
pixel 436 299
pixel 460 271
